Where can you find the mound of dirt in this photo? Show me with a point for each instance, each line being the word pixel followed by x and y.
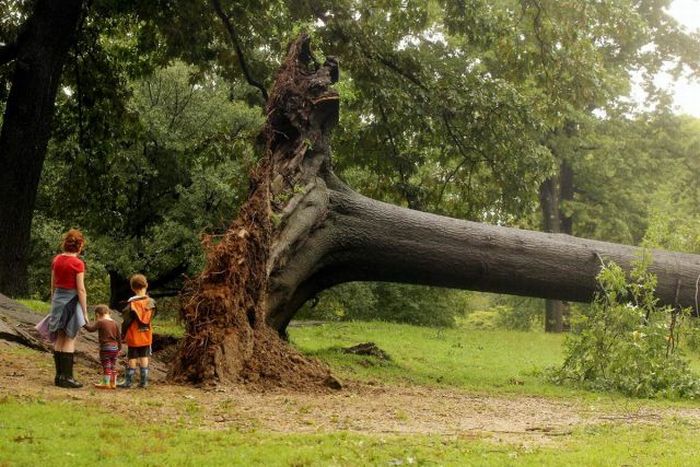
pixel 368 348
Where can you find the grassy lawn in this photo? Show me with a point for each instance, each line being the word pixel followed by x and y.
pixel 484 361
pixel 475 360
pixel 55 433
pixel 498 363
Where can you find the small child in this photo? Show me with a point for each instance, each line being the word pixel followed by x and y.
pixel 110 344
pixel 137 331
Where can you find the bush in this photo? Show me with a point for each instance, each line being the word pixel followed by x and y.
pixel 481 319
pixel 515 319
pixel 418 305
pixel 626 343
pixel 45 244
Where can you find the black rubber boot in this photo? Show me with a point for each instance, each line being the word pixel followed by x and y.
pixel 59 367
pixel 128 378
pixel 67 363
pixel 143 382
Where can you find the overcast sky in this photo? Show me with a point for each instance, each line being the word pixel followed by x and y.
pixel 687 94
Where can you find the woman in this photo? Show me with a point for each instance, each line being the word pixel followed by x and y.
pixel 68 306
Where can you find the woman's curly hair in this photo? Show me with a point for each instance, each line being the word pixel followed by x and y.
pixel 73 241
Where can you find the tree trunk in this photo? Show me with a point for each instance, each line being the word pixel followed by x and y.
pixel 41 50
pixel 549 204
pixel 119 290
pixel 166 284
pixel 553 191
pixel 303 230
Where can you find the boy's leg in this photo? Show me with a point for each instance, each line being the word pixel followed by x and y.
pixel 143 363
pixel 130 372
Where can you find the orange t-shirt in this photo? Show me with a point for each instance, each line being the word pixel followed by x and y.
pixel 65 268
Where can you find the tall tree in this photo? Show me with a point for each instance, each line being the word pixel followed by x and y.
pixel 38 55
pixel 579 56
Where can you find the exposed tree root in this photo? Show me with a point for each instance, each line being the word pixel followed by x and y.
pixel 227 338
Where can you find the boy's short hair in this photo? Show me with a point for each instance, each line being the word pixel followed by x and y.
pixel 101 310
pixel 138 282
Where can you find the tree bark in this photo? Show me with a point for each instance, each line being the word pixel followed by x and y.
pixel 303 230
pixel 40 52
pixel 553 191
pixel 362 239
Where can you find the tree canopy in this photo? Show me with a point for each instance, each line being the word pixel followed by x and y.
pixel 466 109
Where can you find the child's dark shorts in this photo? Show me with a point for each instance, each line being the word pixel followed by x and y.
pixel 138 352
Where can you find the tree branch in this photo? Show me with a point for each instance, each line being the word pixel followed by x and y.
pixel 237 44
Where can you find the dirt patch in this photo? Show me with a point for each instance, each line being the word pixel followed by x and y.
pixel 359 407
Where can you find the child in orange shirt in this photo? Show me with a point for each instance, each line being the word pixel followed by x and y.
pixel 110 344
pixel 137 330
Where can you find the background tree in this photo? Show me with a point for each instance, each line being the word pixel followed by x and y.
pixel 164 175
pixel 37 52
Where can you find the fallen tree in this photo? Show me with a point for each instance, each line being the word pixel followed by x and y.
pixel 303 230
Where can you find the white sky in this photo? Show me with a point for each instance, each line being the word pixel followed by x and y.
pixel 686 94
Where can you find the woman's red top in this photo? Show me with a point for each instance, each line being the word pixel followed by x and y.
pixel 65 268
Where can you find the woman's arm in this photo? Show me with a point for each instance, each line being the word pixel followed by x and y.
pixel 82 293
pixel 52 287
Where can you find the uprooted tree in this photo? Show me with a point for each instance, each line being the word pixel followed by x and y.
pixel 303 230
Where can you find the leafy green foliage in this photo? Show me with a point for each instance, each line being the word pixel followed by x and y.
pixel 176 168
pixel 418 305
pixel 626 342
pixel 633 173
pixel 448 106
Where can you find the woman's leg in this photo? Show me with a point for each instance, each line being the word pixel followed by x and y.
pixel 68 344
pixel 58 345
pixel 66 357
pixel 57 359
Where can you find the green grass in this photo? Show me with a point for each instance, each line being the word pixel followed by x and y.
pixel 475 360
pixel 71 433
pixel 506 363
pixel 493 361
pixel 168 326
pixel 36 305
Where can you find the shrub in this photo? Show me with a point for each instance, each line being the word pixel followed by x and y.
pixel 515 318
pixel 625 342
pixel 481 319
pixel 418 305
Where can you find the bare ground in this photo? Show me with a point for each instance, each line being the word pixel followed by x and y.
pixel 359 407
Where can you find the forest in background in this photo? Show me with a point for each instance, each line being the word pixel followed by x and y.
pixel 513 113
